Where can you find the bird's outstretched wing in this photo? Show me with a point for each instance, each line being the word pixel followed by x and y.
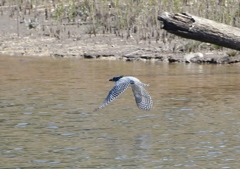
pixel 118 89
pixel 142 98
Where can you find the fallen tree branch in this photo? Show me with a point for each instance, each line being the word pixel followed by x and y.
pixel 201 29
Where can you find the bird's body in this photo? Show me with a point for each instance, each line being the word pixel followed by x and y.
pixel 142 98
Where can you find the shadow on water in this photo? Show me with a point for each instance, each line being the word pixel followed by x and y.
pixel 46 117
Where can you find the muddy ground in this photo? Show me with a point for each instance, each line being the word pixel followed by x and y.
pixel 22 37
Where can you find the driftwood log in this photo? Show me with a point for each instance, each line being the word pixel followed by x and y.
pixel 201 29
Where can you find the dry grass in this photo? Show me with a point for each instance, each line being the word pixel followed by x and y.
pixel 125 18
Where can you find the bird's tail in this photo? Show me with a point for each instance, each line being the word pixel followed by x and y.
pixel 143 84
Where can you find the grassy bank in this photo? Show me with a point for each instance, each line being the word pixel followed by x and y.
pixel 129 19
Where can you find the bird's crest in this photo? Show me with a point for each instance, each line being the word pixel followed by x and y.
pixel 115 78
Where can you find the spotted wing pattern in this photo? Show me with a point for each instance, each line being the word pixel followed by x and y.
pixel 120 86
pixel 142 98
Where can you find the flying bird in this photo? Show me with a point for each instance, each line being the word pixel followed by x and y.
pixel 142 98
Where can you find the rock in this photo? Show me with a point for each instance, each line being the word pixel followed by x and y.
pixel 190 56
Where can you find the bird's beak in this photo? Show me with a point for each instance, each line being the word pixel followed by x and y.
pixel 110 79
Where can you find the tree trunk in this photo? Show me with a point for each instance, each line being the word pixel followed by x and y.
pixel 201 29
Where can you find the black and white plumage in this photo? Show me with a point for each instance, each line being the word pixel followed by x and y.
pixel 142 98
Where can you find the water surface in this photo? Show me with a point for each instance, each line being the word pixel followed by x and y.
pixel 46 118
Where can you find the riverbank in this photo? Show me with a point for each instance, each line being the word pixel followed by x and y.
pixel 24 35
pixel 102 47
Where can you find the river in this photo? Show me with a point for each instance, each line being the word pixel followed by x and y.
pixel 47 118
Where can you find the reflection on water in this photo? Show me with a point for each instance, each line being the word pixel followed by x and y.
pixel 46 117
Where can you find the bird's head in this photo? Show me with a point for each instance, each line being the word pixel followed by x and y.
pixel 115 78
